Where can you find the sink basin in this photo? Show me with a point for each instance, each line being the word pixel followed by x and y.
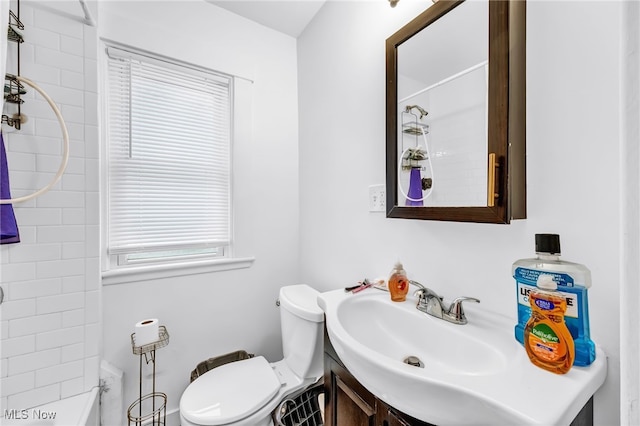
pixel 398 331
pixel 463 374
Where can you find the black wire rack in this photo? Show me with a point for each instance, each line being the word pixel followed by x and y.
pixel 13 89
pixel 303 409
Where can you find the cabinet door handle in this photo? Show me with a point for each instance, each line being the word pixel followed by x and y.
pixel 492 172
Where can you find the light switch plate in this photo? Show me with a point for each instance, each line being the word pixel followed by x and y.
pixel 377 198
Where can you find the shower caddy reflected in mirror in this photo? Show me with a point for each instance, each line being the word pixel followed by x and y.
pixel 497 75
pixel 415 160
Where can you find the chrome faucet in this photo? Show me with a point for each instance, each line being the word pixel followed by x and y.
pixel 430 303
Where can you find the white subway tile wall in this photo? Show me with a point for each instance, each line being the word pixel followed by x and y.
pixel 50 322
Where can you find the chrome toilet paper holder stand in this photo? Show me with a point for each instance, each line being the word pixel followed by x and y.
pixel 157 400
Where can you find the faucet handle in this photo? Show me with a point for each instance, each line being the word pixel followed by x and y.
pixel 421 292
pixel 456 312
pixel 424 293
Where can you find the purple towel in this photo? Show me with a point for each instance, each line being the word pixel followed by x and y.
pixel 8 226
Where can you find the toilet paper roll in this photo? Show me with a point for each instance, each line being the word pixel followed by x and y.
pixel 147 332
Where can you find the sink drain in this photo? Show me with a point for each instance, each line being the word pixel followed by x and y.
pixel 414 361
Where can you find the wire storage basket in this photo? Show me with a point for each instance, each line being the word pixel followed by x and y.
pixel 217 361
pixel 302 409
pixel 154 407
pixel 163 340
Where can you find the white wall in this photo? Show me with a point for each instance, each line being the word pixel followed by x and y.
pixel 630 215
pixel 213 313
pixel 50 317
pixel 572 163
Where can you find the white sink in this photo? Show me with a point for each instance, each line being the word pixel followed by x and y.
pixel 470 374
pixel 397 331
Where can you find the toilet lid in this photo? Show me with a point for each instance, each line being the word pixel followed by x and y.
pixel 230 392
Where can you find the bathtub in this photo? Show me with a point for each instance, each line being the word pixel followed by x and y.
pixel 79 410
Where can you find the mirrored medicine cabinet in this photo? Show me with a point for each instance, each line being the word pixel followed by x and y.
pixel 455 113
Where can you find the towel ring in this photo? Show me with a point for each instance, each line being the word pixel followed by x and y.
pixel 65 155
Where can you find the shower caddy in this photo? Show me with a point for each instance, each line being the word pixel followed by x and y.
pixel 157 413
pixel 13 89
pixel 12 92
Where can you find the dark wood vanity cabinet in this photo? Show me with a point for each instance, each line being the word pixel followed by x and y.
pixel 387 416
pixel 345 400
pixel 348 403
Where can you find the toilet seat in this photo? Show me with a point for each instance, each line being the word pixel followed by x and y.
pixel 230 392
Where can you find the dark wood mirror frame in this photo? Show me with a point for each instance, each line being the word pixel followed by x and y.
pixel 506 116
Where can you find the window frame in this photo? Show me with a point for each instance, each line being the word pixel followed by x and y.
pixel 113 269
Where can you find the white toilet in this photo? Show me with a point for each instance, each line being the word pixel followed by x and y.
pixel 244 393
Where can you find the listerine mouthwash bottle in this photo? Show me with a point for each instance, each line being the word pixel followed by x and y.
pixel 573 281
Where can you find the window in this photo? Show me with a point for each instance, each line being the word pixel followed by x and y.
pixel 168 154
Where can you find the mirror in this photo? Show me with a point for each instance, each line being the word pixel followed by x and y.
pixel 456 113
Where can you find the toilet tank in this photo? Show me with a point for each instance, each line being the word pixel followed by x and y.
pixel 302 324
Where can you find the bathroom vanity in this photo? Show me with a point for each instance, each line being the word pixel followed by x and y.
pixel 348 402
pixel 387 363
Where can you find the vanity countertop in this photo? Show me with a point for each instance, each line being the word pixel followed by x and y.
pixel 474 374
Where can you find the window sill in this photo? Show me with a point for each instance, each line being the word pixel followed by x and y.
pixel 153 272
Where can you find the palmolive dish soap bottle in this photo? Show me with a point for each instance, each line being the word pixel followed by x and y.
pixel 547 340
pixel 573 281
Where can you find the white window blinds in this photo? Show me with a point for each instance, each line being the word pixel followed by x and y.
pixel 168 158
